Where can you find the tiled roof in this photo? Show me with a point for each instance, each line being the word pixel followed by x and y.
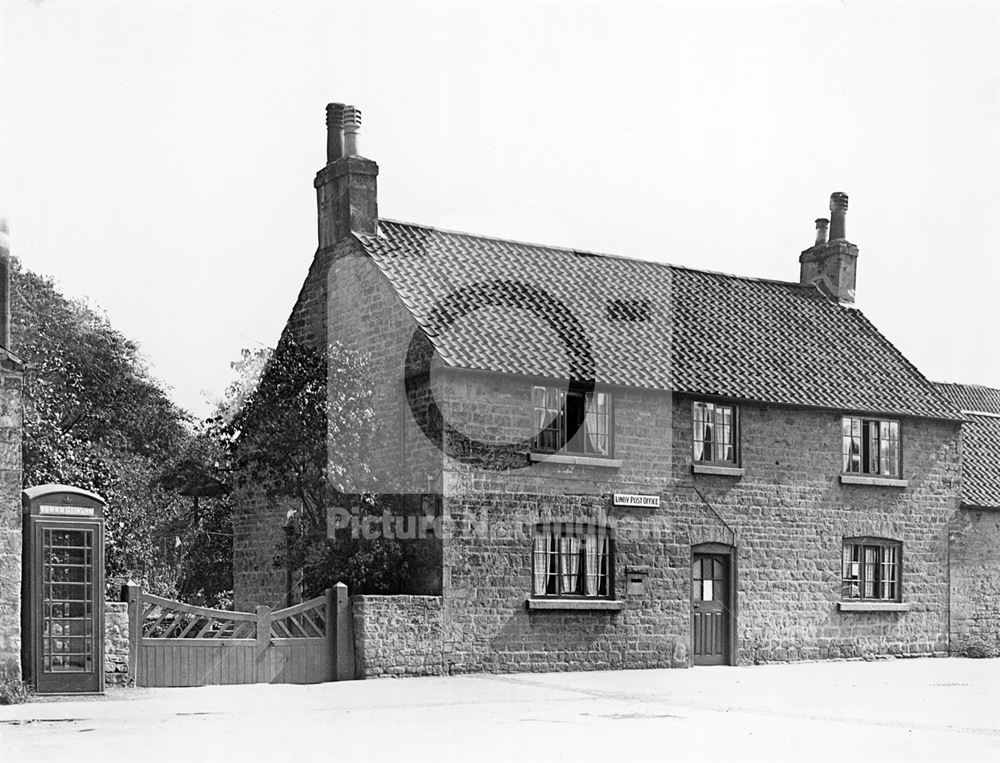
pixel 646 324
pixel 980 443
pixel 973 397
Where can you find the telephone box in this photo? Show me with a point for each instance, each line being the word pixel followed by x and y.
pixel 63 602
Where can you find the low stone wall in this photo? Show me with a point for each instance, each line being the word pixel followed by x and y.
pixel 397 636
pixel 116 633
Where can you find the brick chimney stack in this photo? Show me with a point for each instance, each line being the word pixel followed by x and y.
pixel 831 264
pixel 346 192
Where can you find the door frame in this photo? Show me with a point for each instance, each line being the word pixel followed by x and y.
pixel 717 549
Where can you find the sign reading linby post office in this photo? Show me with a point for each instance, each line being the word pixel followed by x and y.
pixel 644 501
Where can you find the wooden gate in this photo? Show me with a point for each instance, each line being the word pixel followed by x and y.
pixel 177 644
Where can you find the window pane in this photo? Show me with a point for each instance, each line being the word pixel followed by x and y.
pixel 597 424
pixel 851 587
pixel 852 450
pixel 538 396
pixel 870 445
pixel 870 571
pixel 541 563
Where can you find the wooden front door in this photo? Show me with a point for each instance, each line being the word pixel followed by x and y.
pixel 710 609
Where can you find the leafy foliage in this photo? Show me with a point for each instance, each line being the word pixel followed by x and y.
pixel 301 434
pixel 278 439
pixel 95 418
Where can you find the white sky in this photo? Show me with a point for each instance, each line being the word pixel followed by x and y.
pixel 158 157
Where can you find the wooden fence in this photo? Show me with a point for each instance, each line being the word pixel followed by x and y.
pixel 177 644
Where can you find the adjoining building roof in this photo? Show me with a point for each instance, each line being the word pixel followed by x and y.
pixel 973 398
pixel 980 443
pixel 525 308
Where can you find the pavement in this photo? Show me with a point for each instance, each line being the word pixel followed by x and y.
pixel 913 710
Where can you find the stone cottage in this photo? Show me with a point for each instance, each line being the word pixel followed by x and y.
pixel 632 464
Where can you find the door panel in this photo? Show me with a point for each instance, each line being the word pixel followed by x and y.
pixel 710 609
pixel 69 620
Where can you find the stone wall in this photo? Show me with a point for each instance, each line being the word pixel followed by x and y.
pixel 787 516
pixel 791 514
pixel 257 536
pixel 116 633
pixel 397 636
pixel 10 515
pixel 975 581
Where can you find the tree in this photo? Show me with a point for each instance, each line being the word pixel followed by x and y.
pixel 298 436
pixel 94 417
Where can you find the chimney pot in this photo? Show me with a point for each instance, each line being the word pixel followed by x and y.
pixel 822 229
pixel 831 263
pixel 334 132
pixel 352 126
pixel 346 188
pixel 838 214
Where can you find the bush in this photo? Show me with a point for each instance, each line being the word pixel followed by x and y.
pixel 13 691
pixel 980 650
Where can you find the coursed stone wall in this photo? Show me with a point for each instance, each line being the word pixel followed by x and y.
pixel 787 517
pixel 396 636
pixel 975 581
pixel 257 536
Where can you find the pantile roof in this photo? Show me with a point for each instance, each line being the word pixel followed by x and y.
pixel 973 398
pixel 980 443
pixel 505 306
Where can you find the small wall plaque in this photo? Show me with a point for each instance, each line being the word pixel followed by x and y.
pixel 644 501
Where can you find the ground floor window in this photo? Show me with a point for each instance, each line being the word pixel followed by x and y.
pixel 569 560
pixel 872 569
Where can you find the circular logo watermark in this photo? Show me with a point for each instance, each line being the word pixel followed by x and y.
pixel 511 294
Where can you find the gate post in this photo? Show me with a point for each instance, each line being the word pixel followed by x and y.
pixel 263 642
pixel 340 628
pixel 132 594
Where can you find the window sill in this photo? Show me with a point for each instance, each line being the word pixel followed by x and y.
pixel 605 605
pixel 859 479
pixel 719 471
pixel 563 458
pixel 873 606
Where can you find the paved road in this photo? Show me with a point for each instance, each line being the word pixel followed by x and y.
pixel 913 710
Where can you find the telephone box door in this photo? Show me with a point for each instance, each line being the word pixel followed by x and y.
pixel 69 650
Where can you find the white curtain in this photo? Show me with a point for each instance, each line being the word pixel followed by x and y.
pixel 569 563
pixel 543 542
pixel 592 560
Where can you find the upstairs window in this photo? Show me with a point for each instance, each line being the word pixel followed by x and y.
pixel 872 569
pixel 572 422
pixel 871 446
pixel 715 433
pixel 572 561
